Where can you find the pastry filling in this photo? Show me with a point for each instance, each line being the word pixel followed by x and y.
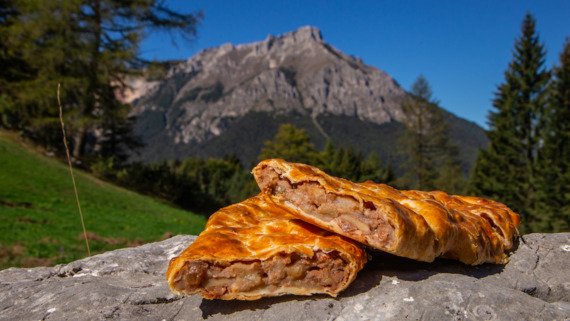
pixel 363 222
pixel 324 272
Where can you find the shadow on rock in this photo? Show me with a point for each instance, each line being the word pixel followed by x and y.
pixel 380 264
pixel 365 281
pixel 212 307
pixel 411 270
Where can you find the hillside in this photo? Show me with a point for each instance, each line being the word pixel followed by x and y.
pixel 39 220
pixel 245 137
pixel 232 98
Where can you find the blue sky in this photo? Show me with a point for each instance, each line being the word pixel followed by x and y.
pixel 461 47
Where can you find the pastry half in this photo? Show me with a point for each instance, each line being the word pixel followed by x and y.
pixel 256 249
pixel 413 224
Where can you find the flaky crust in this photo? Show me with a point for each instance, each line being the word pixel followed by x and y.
pixel 256 230
pixel 425 225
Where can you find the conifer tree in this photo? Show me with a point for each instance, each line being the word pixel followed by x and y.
pixel 326 157
pixel 336 169
pixel 390 176
pixel 13 68
pixel 507 170
pixel 553 191
pixel 450 179
pixel 426 139
pixel 90 47
pixel 291 144
pixel 350 165
pixel 374 170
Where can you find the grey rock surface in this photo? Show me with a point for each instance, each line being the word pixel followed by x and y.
pixel 130 284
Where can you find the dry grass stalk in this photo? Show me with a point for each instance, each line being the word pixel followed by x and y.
pixel 71 170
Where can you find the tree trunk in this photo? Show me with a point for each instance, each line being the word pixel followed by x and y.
pixel 79 143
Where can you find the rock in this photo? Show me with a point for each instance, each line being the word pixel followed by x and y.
pixel 210 104
pixel 130 284
pixel 295 72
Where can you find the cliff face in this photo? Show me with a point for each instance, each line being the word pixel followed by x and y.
pixel 297 72
pixel 130 284
pixel 296 75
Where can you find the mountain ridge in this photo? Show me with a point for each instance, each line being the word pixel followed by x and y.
pixel 296 75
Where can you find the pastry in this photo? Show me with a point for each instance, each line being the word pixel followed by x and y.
pixel 256 249
pixel 413 224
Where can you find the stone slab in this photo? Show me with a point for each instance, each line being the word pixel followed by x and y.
pixel 130 284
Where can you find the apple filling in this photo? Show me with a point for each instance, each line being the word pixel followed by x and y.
pixel 321 273
pixel 360 220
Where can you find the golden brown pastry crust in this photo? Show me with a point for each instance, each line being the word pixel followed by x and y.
pixel 414 224
pixel 257 230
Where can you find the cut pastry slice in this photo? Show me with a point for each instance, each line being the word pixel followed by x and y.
pixel 413 224
pixel 256 249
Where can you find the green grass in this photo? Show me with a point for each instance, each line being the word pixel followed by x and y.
pixel 39 219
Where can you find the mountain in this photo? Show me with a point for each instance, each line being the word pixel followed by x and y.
pixel 230 99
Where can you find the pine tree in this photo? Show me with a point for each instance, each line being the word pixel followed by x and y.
pixel 450 179
pixel 90 47
pixel 291 144
pixel 553 191
pixel 507 170
pixel 336 169
pixel 426 139
pixel 374 170
pixel 13 68
pixel 326 157
pixel 350 165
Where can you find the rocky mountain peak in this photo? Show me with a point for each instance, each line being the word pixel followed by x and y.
pixel 302 35
pixel 232 98
pixel 306 33
pixel 294 72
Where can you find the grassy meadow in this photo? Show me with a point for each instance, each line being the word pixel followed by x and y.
pixel 39 218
